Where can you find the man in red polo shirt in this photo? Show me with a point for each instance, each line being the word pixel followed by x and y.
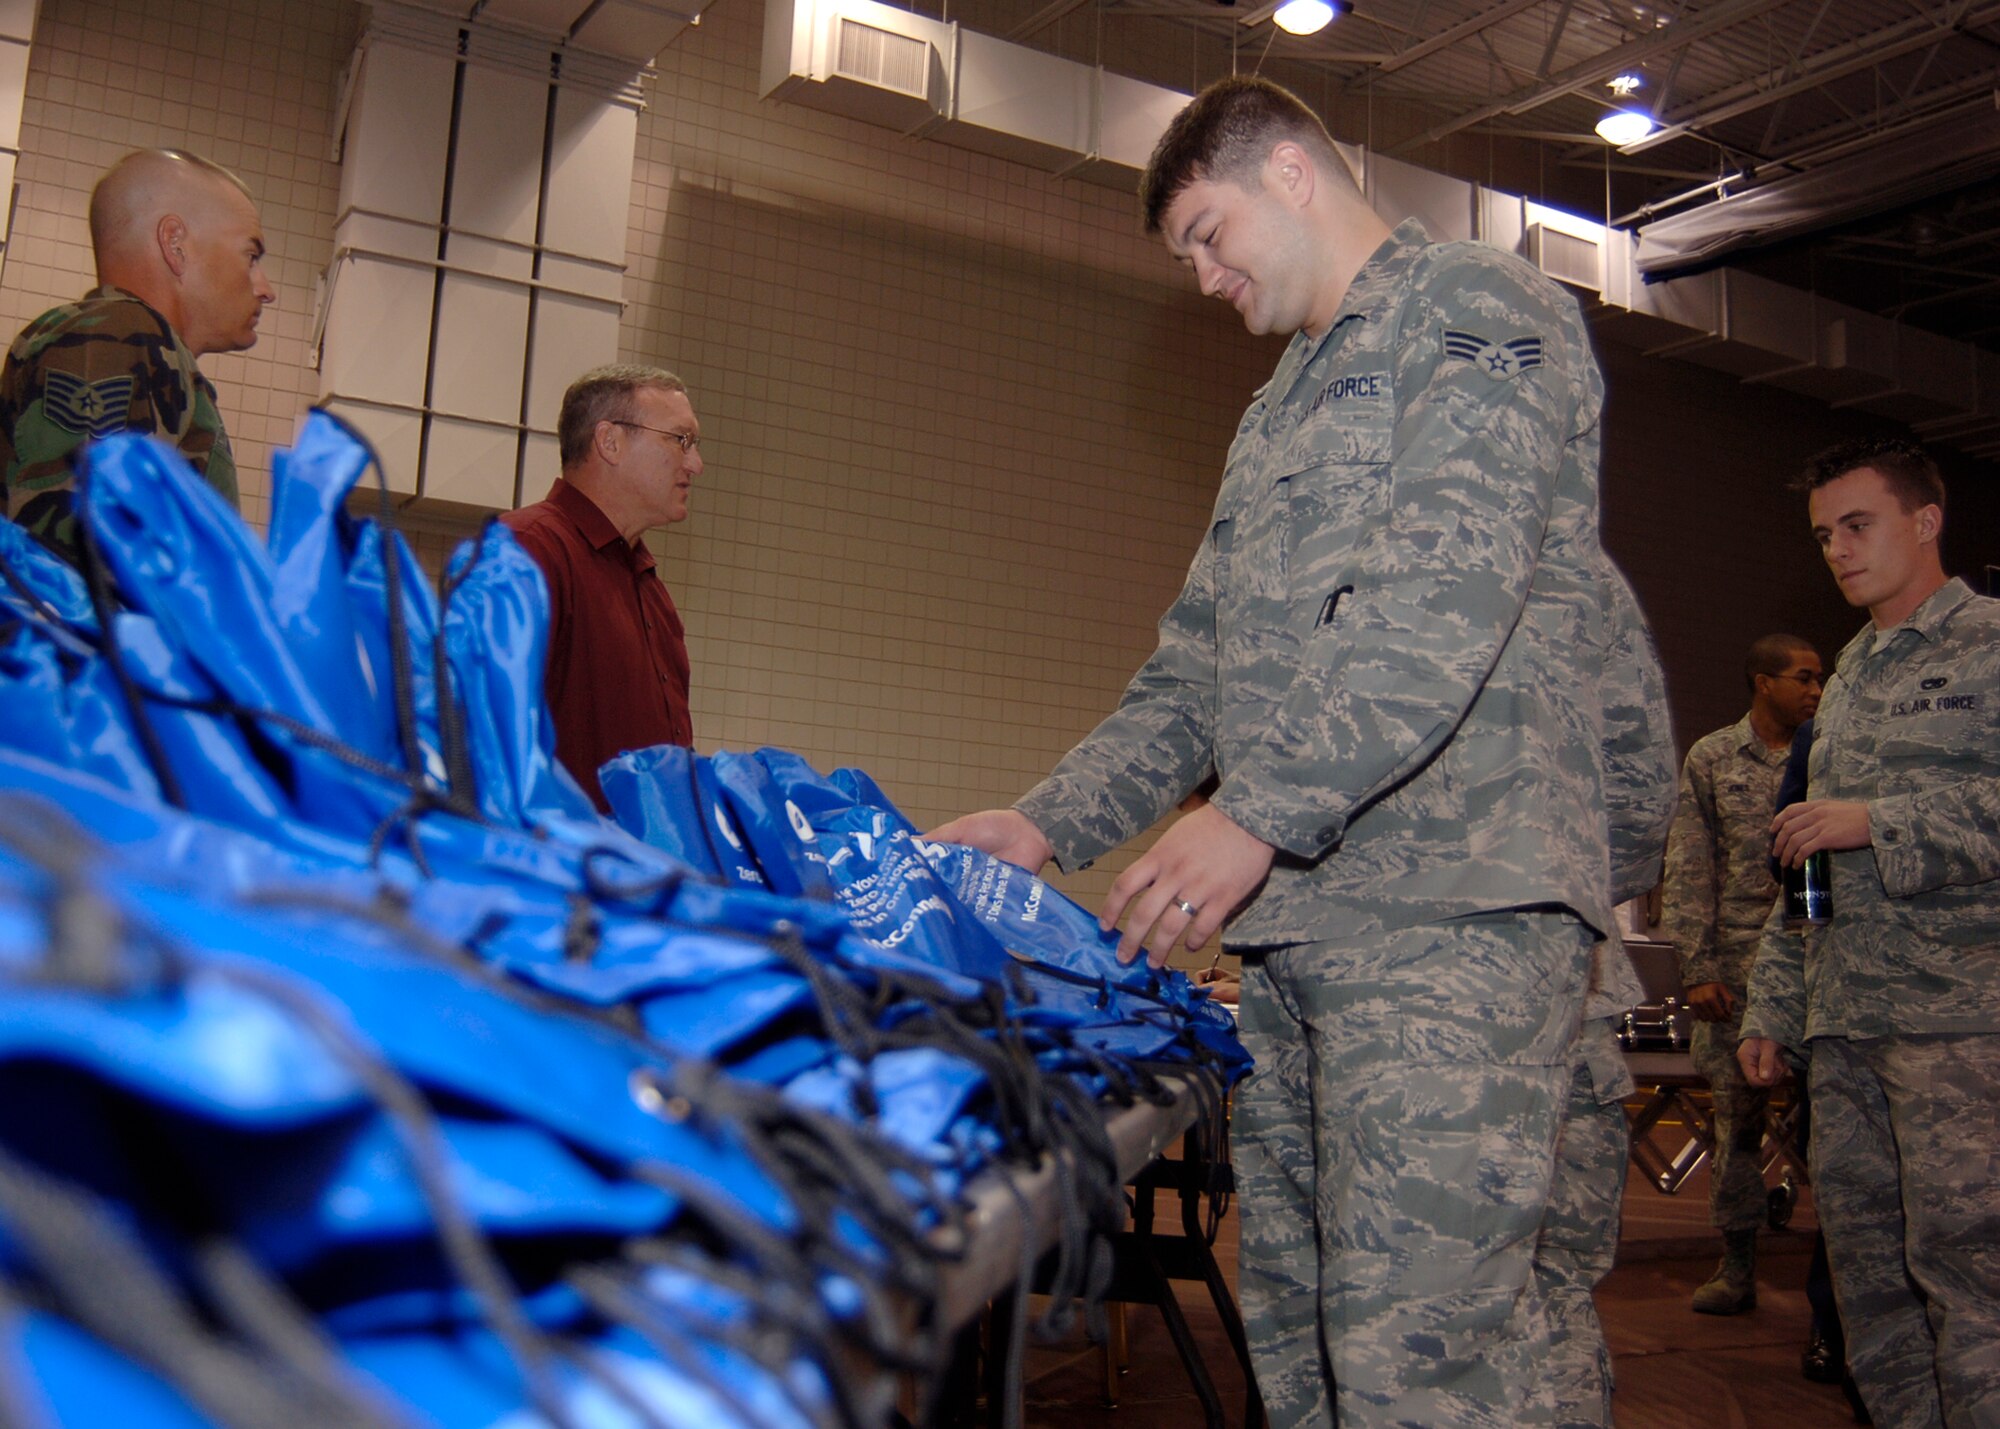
pixel 618 664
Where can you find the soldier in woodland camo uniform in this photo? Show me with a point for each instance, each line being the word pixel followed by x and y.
pixel 1719 892
pixel 1390 649
pixel 179 261
pixel 1895 1003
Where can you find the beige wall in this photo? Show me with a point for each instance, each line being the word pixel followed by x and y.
pixel 963 420
pixel 252 84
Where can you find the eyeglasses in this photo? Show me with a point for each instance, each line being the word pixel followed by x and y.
pixel 688 440
pixel 1819 680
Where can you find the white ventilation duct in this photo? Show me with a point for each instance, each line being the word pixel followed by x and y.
pixel 936 79
pixel 1068 118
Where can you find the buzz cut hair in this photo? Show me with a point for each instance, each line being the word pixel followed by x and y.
pixel 604 394
pixel 106 194
pixel 1910 470
pixel 1771 654
pixel 1226 133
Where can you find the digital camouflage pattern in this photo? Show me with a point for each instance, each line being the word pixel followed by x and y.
pixel 1579 1236
pixel 1913 729
pixel 1917 1112
pixel 1719 894
pixel 1737 1198
pixel 1379 644
pixel 1897 1001
pixel 1719 884
pixel 105 363
pixel 1438 1061
pixel 1392 649
pixel 1638 773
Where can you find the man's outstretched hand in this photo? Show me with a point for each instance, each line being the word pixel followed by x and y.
pixel 1004 833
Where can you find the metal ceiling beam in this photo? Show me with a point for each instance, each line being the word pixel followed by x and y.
pixel 1827 147
pixel 1602 67
pixel 1043 18
pixel 1463 30
pixel 1859 53
pixel 1555 38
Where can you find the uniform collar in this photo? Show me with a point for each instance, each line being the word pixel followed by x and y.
pixel 1369 297
pixel 112 293
pixel 1927 620
pixel 1752 743
pixel 596 527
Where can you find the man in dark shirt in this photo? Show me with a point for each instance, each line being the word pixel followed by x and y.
pixel 617 675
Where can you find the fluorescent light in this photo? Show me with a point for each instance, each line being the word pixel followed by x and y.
pixel 1304 17
pixel 1624 126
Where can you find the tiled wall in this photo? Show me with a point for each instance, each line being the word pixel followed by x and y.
pixel 963 420
pixel 251 84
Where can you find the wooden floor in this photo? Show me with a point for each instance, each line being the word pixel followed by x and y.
pixel 1675 1369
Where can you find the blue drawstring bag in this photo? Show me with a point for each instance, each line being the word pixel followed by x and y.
pixel 496 638
pixel 667 798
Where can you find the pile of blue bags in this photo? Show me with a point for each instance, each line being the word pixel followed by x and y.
pixel 353 1070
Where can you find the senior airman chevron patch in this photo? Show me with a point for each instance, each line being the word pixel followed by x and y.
pixel 1495 359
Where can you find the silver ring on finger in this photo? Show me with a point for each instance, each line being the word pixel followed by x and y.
pixel 1186 907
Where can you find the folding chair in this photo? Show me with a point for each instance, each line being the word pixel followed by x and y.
pixel 1655 1037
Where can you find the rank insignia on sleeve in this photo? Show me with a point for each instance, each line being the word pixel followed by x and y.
pixel 94 409
pixel 1496 359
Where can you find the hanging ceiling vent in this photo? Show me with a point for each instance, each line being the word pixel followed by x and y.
pixel 884 59
pixel 1566 257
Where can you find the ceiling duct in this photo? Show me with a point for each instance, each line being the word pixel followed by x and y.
pixel 1566 257
pixel 1939 153
pixel 1063 117
pixel 863 60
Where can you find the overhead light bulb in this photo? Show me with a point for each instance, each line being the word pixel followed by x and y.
pixel 1304 17
pixel 1624 126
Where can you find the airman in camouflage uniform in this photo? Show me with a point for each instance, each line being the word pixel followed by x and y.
pixel 1719 892
pixel 1896 1001
pixel 1389 648
pixel 179 252
pixel 106 363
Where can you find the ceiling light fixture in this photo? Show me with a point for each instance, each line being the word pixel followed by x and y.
pixel 1304 17
pixel 1624 126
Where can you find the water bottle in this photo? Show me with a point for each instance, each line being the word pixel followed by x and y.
pixel 1809 891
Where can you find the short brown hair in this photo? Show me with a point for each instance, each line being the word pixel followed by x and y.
pixel 604 394
pixel 1226 132
pixel 1910 470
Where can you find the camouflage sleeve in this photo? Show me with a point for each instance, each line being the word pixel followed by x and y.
pixel 1441 576
pixel 78 373
pixel 1937 838
pixel 1149 753
pixel 1692 894
pixel 1776 1007
pixel 1638 746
